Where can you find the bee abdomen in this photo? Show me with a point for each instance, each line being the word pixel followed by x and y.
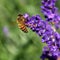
pixel 23 28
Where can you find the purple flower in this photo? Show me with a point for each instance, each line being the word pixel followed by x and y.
pixel 6 30
pixel 51 12
pixel 47 29
pixel 26 15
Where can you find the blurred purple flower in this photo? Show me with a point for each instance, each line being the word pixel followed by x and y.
pixel 6 30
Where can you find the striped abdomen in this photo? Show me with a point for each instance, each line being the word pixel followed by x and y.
pixel 22 27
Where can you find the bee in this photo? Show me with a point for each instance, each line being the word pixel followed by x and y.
pixel 21 23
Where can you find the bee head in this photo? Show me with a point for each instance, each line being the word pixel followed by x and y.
pixel 20 15
pixel 20 18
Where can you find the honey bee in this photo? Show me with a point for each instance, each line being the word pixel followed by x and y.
pixel 21 23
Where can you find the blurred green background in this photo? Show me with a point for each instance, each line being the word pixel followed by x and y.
pixel 15 44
